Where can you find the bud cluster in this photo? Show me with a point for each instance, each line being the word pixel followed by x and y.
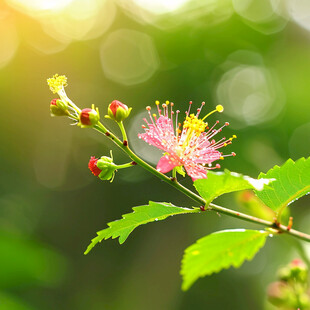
pixel 291 291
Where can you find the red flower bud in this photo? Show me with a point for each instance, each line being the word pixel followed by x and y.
pixel 89 117
pixel 53 102
pixel 92 165
pixel 104 168
pixel 118 111
pixel 58 108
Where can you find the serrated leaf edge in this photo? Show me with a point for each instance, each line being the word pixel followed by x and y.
pixel 122 239
pixel 227 266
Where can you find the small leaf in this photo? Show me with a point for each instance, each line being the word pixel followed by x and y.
pixel 292 182
pixel 180 170
pixel 219 251
pixel 219 183
pixel 143 214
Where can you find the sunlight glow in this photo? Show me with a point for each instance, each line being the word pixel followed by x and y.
pixel 34 6
pixel 160 6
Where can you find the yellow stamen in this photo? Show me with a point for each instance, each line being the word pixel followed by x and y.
pixel 157 102
pixel 57 83
pixel 194 126
pixel 218 108
pixel 233 137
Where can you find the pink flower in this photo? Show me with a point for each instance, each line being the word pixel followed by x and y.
pixel 193 147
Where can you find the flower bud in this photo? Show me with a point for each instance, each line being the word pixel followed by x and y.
pixel 104 167
pixel 92 165
pixel 280 293
pixel 296 271
pixel 118 111
pixel 58 108
pixel 299 271
pixel 89 117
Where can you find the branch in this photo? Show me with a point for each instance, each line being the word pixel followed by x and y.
pixel 213 207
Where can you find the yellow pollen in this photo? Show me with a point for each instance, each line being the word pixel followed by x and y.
pixel 225 144
pixel 167 102
pixel 194 126
pixel 157 102
pixel 154 115
pixel 234 136
pixel 57 83
pixel 221 157
pixel 219 108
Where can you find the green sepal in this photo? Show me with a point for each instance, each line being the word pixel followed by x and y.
pixel 60 109
pixel 120 114
pixel 108 168
pixel 180 170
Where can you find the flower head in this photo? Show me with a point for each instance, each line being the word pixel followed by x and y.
pixel 57 83
pixel 118 111
pixel 192 147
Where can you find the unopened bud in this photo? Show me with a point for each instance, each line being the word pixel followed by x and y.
pixel 296 271
pixel 299 271
pixel 58 108
pixel 104 167
pixel 89 117
pixel 280 294
pixel 118 111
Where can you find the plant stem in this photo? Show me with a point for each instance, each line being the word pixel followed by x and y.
pixel 122 128
pixel 278 227
pixel 125 166
pixel 174 174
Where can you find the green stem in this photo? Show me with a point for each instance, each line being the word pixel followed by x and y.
pixel 122 128
pixel 278 227
pixel 125 166
pixel 174 174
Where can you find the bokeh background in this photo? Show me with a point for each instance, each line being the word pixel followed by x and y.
pixel 251 56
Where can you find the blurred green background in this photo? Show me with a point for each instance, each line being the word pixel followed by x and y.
pixel 253 57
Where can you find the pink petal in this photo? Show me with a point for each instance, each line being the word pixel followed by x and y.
pixel 166 164
pixel 195 171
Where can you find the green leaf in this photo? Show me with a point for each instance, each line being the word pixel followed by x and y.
pixel 155 211
pixel 219 251
pixel 180 170
pixel 12 302
pixel 292 182
pixel 219 183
